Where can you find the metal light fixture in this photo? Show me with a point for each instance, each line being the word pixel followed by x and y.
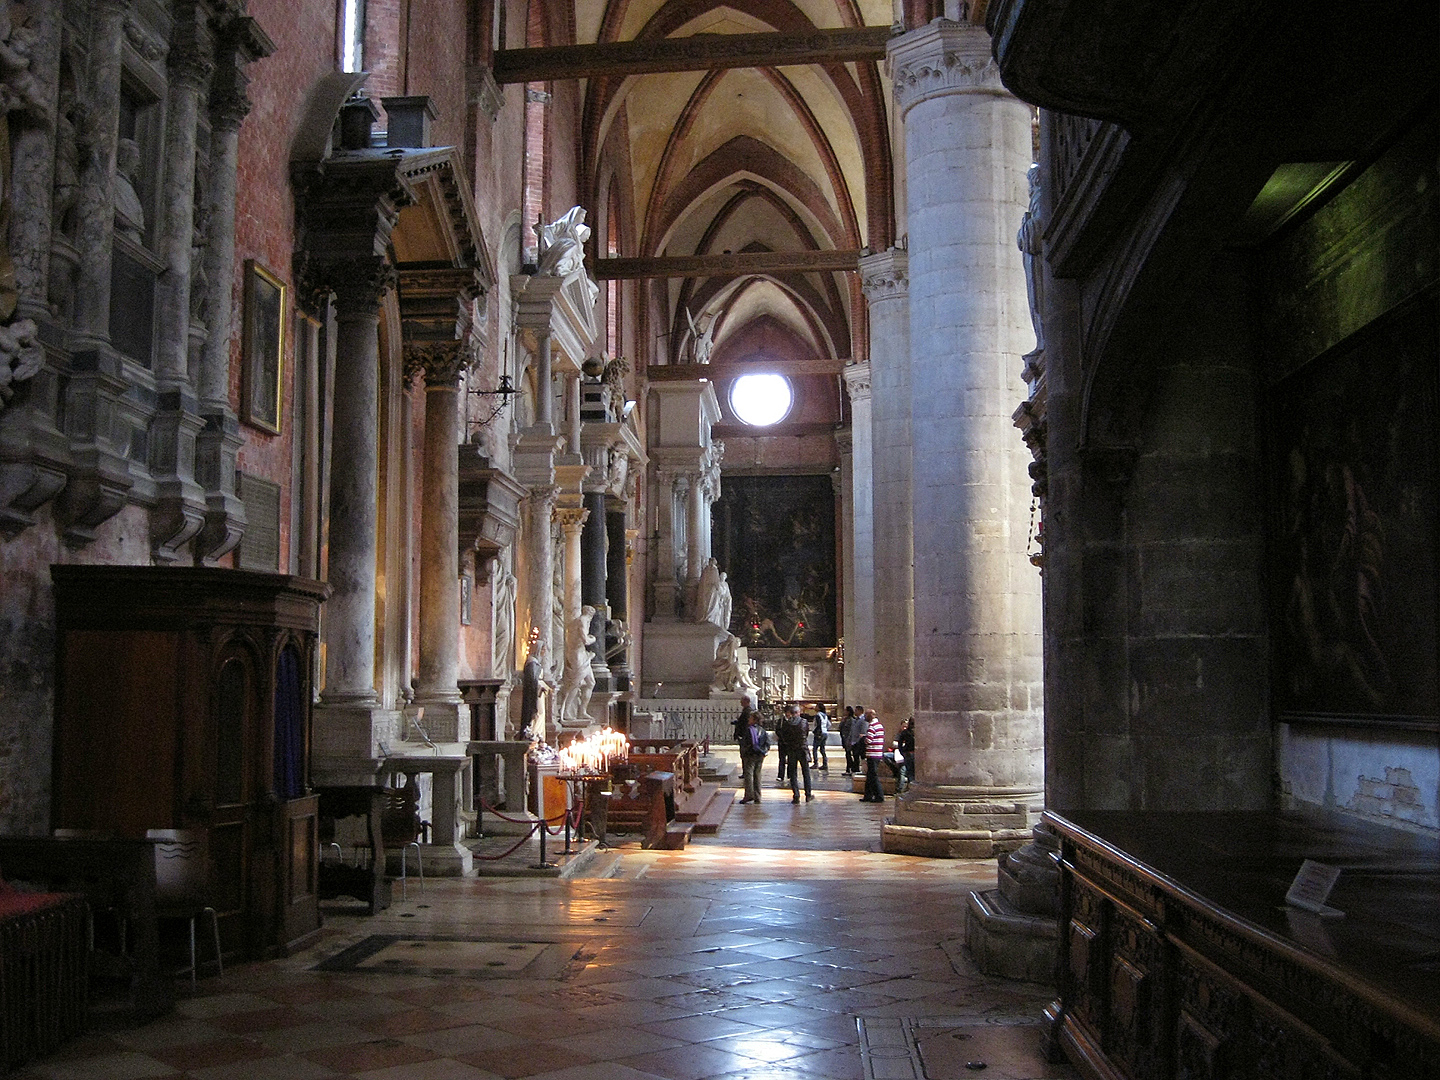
pixel 504 391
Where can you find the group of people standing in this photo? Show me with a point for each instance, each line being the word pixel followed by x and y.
pixel 802 744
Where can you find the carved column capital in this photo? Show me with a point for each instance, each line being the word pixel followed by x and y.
pixel 359 284
pixel 191 62
pixel 440 363
pixel 885 275
pixel 571 519
pixel 939 59
pixel 857 381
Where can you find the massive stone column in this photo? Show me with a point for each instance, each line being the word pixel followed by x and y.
pixel 348 722
pixel 537 554
pixel 218 445
pixel 844 485
pixel 977 598
pixel 860 634
pixel 884 279
pixel 593 575
pixel 441 364
pixel 180 501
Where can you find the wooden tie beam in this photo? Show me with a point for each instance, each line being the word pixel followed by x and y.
pixel 698 52
pixel 734 264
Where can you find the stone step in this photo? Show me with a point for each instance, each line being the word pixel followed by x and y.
pixel 677 835
pixel 710 820
pixel 695 804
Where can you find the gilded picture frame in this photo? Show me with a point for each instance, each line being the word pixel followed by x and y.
pixel 263 350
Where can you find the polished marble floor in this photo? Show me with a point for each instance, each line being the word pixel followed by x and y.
pixel 787 946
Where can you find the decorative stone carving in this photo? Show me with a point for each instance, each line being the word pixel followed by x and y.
pixel 885 276
pixel 614 379
pixel 485 92
pixel 943 58
pixel 440 363
pixel 20 356
pixel 143 40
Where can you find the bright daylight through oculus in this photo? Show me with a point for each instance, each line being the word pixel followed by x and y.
pixel 761 400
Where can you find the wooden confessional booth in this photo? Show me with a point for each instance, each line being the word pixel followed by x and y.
pixel 183 701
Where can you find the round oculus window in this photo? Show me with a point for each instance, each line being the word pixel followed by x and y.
pixel 761 400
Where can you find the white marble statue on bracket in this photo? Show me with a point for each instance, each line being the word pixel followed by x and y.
pixel 579 681
pixel 729 673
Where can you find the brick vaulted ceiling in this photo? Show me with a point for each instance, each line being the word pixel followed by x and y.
pixel 745 159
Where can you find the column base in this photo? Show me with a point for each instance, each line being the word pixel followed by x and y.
pixel 1009 943
pixel 945 822
pixel 439 860
pixel 346 746
pixel 442 720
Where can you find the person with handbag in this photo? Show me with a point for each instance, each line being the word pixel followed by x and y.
pixel 754 745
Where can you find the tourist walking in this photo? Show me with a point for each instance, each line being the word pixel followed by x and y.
pixel 848 723
pixel 754 745
pixel 792 739
pixel 820 735
pixel 874 743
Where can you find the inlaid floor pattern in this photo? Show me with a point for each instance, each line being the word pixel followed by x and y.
pixel 787 946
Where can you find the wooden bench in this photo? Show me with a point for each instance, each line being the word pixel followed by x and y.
pixel 681 758
pixel 116 876
pixel 645 805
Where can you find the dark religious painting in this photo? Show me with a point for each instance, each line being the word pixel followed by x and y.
pixel 776 541
pixel 1354 527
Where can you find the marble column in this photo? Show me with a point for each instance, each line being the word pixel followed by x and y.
pixel 348 722
pixel 98 473
pixel 697 551
pixel 218 444
pixel 883 276
pixel 617 590
pixel 96 209
pixel 594 572
pixel 180 502
pixel 977 598
pixel 671 490
pixel 572 521
pixel 860 634
pixel 544 397
pixel 32 160
pixel 441 364
pixel 843 485
pixel 539 506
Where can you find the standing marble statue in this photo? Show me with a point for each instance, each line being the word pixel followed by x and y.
pixel 531 685
pixel 712 599
pixel 579 679
pixel 702 345
pixel 562 243
pixel 1030 243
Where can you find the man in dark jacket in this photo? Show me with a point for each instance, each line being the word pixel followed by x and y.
pixel 793 735
pixel 754 743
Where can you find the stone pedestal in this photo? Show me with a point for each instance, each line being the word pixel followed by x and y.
pixel 977 598
pixel 679 658
pixel 500 777
pixel 1013 931
pixel 443 856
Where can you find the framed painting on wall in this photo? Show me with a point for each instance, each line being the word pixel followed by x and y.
pixel 263 350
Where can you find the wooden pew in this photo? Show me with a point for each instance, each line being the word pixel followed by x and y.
pixel 646 806
pixel 112 875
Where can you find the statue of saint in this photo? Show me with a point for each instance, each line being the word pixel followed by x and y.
pixel 713 601
pixel 530 686
pixel 727 673
pixel 129 212
pixel 1029 241
pixel 701 345
pixel 562 244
